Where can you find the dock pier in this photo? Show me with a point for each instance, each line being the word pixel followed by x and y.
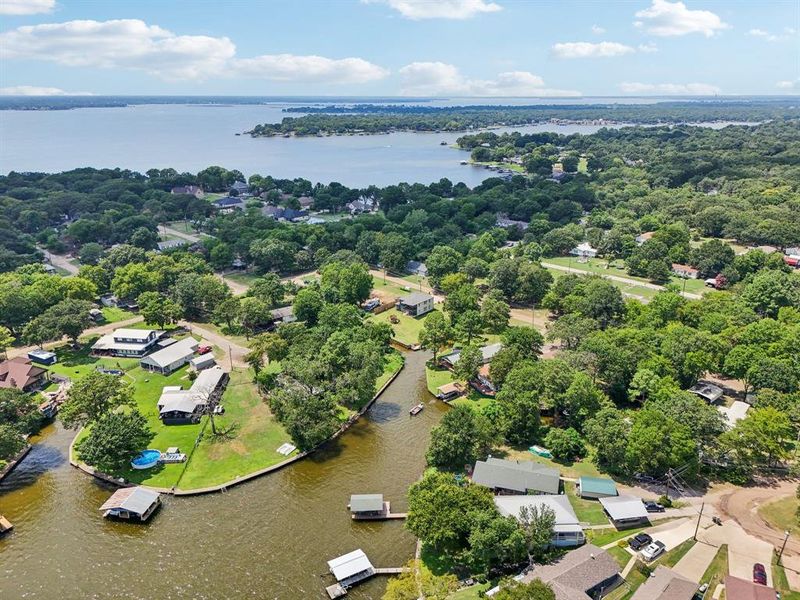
pixel 353 568
pixel 383 515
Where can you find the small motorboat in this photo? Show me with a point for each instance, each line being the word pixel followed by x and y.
pixel 415 410
pixel 5 524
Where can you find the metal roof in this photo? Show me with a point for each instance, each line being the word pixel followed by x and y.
pixel 182 349
pixel 133 334
pixel 621 508
pixel 134 499
pixel 366 502
pixel 518 476
pixel 598 485
pixel 566 520
pixel 415 298
pixel 350 564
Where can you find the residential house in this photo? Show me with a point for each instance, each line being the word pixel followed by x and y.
pixel 793 251
pixel 584 250
pixel 586 573
pixel 483 382
pixel 177 406
pixel 516 477
pixel 707 391
pixel 504 221
pixel 567 530
pixel 643 237
pixel 741 589
pixel 363 205
pixel 229 204
pixel 171 358
pixel 685 271
pixel 20 374
pixel 417 268
pixel 666 584
pixel 305 202
pixel 204 361
pixel 292 215
pixel 415 304
pixel 43 357
pixel 487 354
pixel 170 244
pixel 240 187
pixel 284 314
pixel 596 487
pixel 274 212
pixel 625 510
pixel 131 343
pixel 191 190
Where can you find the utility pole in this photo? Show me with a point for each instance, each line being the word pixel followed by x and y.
pixel 783 546
pixel 702 506
pixel 669 480
pixel 230 357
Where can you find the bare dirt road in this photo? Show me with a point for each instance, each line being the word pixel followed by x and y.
pixel 60 261
pixel 236 353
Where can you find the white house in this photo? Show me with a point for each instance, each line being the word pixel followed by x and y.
pixel 171 358
pixel 584 250
pixel 131 343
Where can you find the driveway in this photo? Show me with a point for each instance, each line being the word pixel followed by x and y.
pixel 744 550
pixel 674 533
pixel 695 562
pixel 236 353
pixel 60 261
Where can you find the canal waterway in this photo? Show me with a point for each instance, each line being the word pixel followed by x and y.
pixel 269 538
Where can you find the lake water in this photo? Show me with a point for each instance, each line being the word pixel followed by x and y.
pixel 269 538
pixel 192 137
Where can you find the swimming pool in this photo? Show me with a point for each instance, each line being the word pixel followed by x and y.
pixel 146 459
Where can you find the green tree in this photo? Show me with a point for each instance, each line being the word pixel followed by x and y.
pixel 227 312
pixel 67 318
pixel 90 254
pixel 565 444
pixel 495 312
pixel 460 438
pixel 769 290
pixel 442 260
pixel 435 333
pixel 307 305
pixel 19 410
pixel 254 314
pixel 469 361
pixel 538 525
pixel 657 443
pixel 526 341
pixel 470 323
pixel 221 256
pixel 114 439
pixel 495 542
pixel 11 441
pixel 608 432
pixel 515 590
pixel 157 309
pixel 570 329
pixel 93 396
pixel 6 339
pixel 407 585
pixel 763 437
pixel 348 283
pixel 582 400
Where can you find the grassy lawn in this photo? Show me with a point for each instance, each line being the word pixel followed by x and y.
pixel 113 314
pixel 621 555
pixel 781 514
pixel 587 511
pixel 601 537
pixel 437 376
pixel 781 584
pixel 600 267
pixel 392 363
pixel 583 165
pixel 76 363
pixel 474 399
pixel 572 470
pixel 672 557
pixel 390 288
pixel 717 570
pixel 247 279
pixel 252 438
pixel 182 226
pixel 470 593
pixel 408 328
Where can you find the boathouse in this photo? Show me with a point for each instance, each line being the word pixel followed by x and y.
pixel 351 568
pixel 367 505
pixel 133 504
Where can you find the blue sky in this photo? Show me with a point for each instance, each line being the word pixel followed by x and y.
pixel 400 47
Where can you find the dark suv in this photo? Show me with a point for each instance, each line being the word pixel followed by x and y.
pixel 652 507
pixel 639 541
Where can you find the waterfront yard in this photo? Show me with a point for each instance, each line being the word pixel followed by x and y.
pixel 406 330
pixel 78 362
pixel 567 469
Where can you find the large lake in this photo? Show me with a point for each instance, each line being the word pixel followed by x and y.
pixel 192 137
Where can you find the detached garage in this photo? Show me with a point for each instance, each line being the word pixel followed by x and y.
pixel 596 487
pixel 625 511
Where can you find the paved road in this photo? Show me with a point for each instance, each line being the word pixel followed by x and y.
pixel 617 278
pixel 99 330
pixel 60 261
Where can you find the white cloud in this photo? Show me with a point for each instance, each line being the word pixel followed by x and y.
pixel 670 89
pixel 438 78
pixel 289 67
pixel 664 18
pixel 597 30
pixel 33 90
pixel 788 84
pixel 26 7
pixel 439 9
pixel 648 48
pixel 133 44
pixel 590 50
pixel 788 33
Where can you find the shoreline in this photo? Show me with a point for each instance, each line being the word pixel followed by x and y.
pixel 89 470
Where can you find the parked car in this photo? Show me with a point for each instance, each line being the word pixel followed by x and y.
pixel 653 507
pixel 641 477
pixel 701 592
pixel 759 574
pixel 639 541
pixel 204 349
pixel 653 551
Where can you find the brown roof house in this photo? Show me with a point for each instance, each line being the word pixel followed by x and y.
pixel 666 584
pixel 582 574
pixel 741 589
pixel 19 373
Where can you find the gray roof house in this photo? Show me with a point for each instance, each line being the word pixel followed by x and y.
pixel 522 477
pixel 666 584
pixel 624 510
pixel 707 391
pixel 585 573
pixel 567 530
pixel 487 352
pixel 177 406
pixel 416 267
pixel 415 304
pixel 171 358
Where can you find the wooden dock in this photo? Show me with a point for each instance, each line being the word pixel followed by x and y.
pixel 384 515
pixel 337 590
